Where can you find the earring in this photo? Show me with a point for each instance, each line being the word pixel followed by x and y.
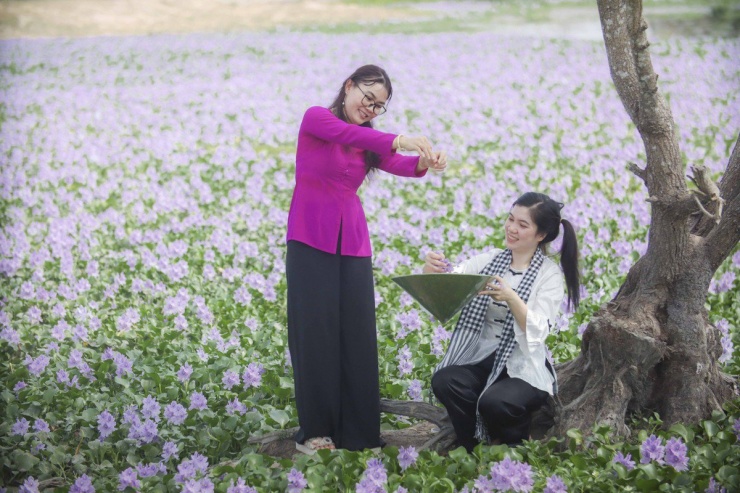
pixel 342 102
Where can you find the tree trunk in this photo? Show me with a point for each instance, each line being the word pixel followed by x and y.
pixel 652 348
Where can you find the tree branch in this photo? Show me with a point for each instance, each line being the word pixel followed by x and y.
pixel 729 188
pixel 637 171
pixel 722 239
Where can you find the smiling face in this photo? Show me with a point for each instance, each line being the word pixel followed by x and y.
pixel 363 101
pixel 521 231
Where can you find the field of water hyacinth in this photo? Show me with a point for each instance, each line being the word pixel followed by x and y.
pixel 145 189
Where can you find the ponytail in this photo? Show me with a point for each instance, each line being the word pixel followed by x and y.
pixel 569 264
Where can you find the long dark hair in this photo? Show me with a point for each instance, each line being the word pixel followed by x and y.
pixel 367 75
pixel 545 213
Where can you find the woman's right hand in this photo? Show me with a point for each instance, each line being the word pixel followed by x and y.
pixel 435 263
pixel 417 144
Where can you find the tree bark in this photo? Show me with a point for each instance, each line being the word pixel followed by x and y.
pixel 652 348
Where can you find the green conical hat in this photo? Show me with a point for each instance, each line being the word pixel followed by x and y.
pixel 443 295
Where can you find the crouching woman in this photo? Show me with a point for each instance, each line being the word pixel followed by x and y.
pixel 495 373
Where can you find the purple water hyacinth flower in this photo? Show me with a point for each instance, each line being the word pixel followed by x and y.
pixel 242 296
pixel 124 365
pixel 150 408
pixel 438 337
pixel 652 449
pixel 125 322
pixel 203 485
pixel 20 427
pixel 736 428
pixel 727 349
pixel 405 366
pixel 63 376
pixel 401 489
pixel 128 479
pixel 151 469
pixel 83 484
pixel 38 365
pixel 106 424
pixel 296 481
pixel 202 355
pixel 59 310
pixel 75 359
pixel 185 471
pixel 34 315
pixel 555 485
pixel 79 333
pixel 38 448
pixel 235 406
pixel 407 457
pixel 11 336
pixel 131 415
pixel 200 462
pixel 675 454
pixel 374 479
pixel 19 386
pixel 30 485
pixel 27 291
pixel 715 487
pixel 184 373
pixel 410 321
pixel 41 426
pixel 175 413
pixel 181 323
pixel 414 390
pixel 169 451
pixel 253 375
pixel 198 401
pixel 512 475
pixel 144 431
pixel 239 487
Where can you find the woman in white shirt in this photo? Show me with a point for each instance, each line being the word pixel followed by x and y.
pixel 495 372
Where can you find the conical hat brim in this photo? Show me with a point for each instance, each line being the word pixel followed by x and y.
pixel 443 295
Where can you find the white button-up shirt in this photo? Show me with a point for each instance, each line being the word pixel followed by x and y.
pixel 527 361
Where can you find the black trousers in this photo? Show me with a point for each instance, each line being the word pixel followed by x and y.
pixel 333 346
pixel 506 407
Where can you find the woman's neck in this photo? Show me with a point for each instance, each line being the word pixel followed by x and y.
pixel 521 260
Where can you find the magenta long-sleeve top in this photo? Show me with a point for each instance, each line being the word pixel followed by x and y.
pixel 330 167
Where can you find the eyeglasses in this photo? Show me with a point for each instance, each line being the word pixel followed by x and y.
pixel 369 102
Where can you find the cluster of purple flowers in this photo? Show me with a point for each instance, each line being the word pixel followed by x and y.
pixel 175 413
pixel 240 487
pixel 405 365
pixel 375 477
pixel 123 364
pixel 253 375
pixel 410 321
pixel 507 475
pixel 83 484
pixel 407 457
pixel 728 347
pixel 296 481
pixel 106 424
pixel 672 453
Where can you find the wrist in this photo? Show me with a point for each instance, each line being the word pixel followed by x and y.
pixel 398 143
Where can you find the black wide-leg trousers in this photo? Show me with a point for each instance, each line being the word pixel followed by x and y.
pixel 333 346
pixel 506 406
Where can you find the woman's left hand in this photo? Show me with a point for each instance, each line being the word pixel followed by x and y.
pixel 438 164
pixel 499 291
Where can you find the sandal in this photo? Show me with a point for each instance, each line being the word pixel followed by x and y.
pixel 313 445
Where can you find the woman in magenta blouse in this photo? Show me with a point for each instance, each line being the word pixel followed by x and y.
pixel 331 300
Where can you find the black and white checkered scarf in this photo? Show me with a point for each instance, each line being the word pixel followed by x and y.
pixel 464 339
